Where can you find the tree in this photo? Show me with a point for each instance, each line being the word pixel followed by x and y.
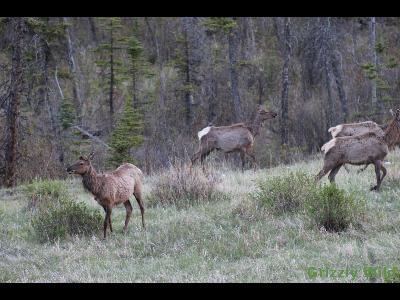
pixel 110 62
pixel 78 99
pixel 13 113
pixel 126 135
pixel 233 44
pixel 138 66
pixel 229 27
pixel 286 47
pixel 374 59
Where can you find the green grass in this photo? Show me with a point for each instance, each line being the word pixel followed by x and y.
pixel 225 240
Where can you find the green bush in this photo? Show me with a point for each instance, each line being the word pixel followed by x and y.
pixel 180 187
pixel 55 215
pixel 39 192
pixel 284 194
pixel 393 276
pixel 65 217
pixel 330 207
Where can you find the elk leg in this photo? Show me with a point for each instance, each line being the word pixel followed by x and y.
pixel 253 158
pixel 378 166
pixel 242 157
pixel 195 157
pixel 108 215
pixel 203 157
pixel 333 173
pixel 128 207
pixel 109 222
pixel 383 171
pixel 138 195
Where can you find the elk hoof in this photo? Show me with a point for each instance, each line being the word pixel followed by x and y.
pixel 374 188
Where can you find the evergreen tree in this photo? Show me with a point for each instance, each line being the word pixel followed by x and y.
pixel 109 61
pixel 127 135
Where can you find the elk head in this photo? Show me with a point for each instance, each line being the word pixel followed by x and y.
pixel 396 115
pixel 81 166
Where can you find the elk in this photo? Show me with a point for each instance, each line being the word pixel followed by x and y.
pixel 111 188
pixel 352 129
pixel 234 138
pixel 367 148
pixel 355 129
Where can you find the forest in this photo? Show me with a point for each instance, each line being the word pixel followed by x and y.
pixel 138 89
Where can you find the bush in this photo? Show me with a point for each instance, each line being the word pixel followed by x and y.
pixel 63 218
pixel 330 207
pixel 284 194
pixel 41 191
pixel 55 215
pixel 393 276
pixel 180 187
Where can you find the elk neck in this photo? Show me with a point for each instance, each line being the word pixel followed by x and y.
pixel 90 180
pixel 256 125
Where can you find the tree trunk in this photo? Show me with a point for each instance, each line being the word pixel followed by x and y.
pixel 340 87
pixel 188 81
pixel 285 82
pixel 93 29
pixel 15 101
pixel 73 69
pixel 51 107
pixel 233 46
pixel 372 40
pixel 330 39
pixel 111 91
pixel 329 111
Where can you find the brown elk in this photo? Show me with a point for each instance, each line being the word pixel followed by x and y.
pixel 112 188
pixel 352 129
pixel 361 149
pixel 355 129
pixel 234 138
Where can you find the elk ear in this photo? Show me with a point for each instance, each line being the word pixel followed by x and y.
pixel 91 155
pixel 391 112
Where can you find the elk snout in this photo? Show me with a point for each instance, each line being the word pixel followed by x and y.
pixel 274 114
pixel 70 171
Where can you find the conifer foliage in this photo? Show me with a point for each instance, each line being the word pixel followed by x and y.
pixel 127 135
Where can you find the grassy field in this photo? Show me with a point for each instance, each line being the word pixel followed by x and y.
pixel 218 241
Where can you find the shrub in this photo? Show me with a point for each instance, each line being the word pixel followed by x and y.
pixel 56 215
pixel 284 194
pixel 63 218
pixel 392 276
pixel 330 207
pixel 41 191
pixel 180 187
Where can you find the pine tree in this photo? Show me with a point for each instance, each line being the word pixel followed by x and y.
pixel 109 61
pixel 67 113
pixel 127 135
pixel 137 64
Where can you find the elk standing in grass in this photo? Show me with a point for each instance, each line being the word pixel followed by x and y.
pixel 361 149
pixel 111 189
pixel 353 129
pixel 234 138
